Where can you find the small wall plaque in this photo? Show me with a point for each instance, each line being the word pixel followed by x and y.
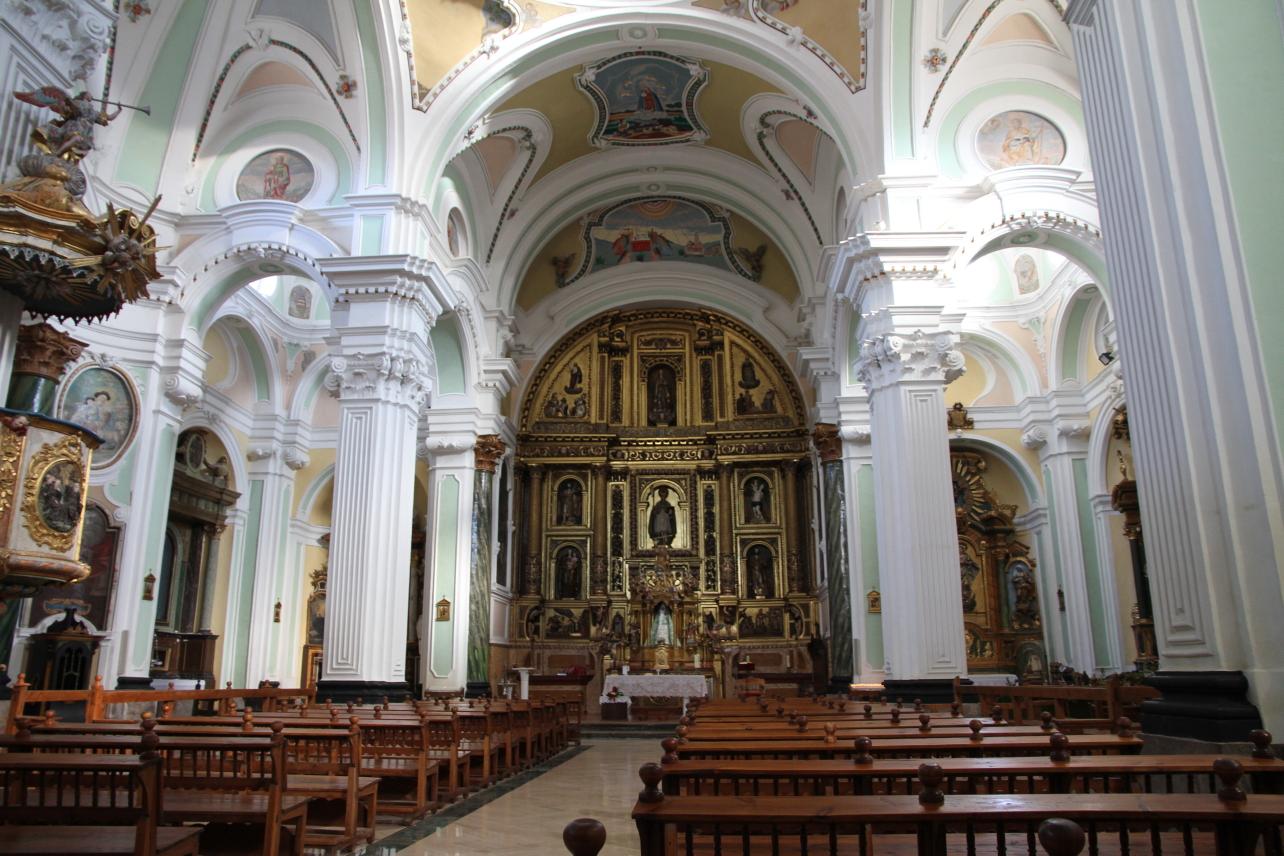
pixel 149 583
pixel 443 610
pixel 875 600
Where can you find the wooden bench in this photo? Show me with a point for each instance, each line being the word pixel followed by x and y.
pixel 114 801
pixel 224 781
pixel 904 747
pixel 1024 703
pixel 931 823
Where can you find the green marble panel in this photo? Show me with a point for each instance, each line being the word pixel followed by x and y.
pixel 479 590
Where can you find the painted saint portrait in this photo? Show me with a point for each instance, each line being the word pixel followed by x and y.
pixel 644 98
pixel 276 174
pixel 103 401
pixel 59 497
pixel 90 596
pixel 1017 138
pixel 660 229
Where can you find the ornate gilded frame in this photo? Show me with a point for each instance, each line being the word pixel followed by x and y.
pixel 68 449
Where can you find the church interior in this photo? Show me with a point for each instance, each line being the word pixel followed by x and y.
pixel 854 423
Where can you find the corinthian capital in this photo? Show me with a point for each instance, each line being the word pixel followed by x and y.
pixel 383 376
pixel 894 357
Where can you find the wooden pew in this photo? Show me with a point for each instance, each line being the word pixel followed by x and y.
pixel 904 747
pixel 220 780
pixel 69 805
pixel 1021 704
pixel 931 823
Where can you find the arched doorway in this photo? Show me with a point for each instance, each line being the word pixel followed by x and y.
pixel 663 460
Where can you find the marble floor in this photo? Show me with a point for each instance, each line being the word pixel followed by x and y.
pixel 601 782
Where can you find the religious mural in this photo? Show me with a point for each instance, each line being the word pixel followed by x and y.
pixel 659 229
pixel 277 174
pixel 1017 138
pixel 644 98
pixel 102 400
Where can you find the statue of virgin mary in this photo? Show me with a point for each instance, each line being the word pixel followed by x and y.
pixel 661 626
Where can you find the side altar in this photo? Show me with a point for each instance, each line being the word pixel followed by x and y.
pixel 664 493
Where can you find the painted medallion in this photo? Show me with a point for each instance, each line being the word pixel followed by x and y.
pixel 1018 138
pixel 644 98
pixel 277 174
pixel 103 401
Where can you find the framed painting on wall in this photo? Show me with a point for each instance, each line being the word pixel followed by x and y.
pixel 104 401
pixel 276 174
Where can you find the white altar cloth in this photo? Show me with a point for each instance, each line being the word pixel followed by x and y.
pixel 656 686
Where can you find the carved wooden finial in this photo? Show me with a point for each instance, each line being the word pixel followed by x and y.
pixel 801 722
pixel 896 715
pixel 976 727
pixel 863 756
pixel 150 742
pixel 1229 772
pixel 869 711
pixel 1261 743
pixel 651 775
pixel 931 775
pixel 1047 721
pixel 918 704
pixel 584 837
pixel 925 722
pixel 956 708
pixel 1123 726
pixel 683 731
pixel 1060 747
pixel 831 732
pixel 247 720
pixel 670 747
pixel 1061 837
pixel 996 713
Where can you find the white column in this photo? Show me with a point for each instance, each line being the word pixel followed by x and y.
pixel 448 575
pixel 1057 456
pixel 267 575
pixel 1118 612
pixel 1206 453
pixel 171 385
pixel 918 549
pixel 10 318
pixel 381 367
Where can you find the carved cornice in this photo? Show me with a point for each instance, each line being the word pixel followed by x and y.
pixel 71 34
pixel 892 358
pixel 45 352
pixel 488 452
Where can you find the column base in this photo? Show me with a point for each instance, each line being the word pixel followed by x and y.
pixel 840 684
pixel 134 682
pixel 370 692
pixel 477 689
pixel 1211 706
pixel 930 690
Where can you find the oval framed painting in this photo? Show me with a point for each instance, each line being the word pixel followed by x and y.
pixel 276 174
pixel 1019 138
pixel 104 401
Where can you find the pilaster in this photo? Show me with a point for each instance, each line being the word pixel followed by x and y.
pixel 829 449
pixel 487 454
pixel 272 482
pixel 448 578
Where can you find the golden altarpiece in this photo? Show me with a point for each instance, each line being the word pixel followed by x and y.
pixel 665 508
pixel 1002 627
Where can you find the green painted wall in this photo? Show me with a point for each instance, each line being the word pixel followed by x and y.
pixel 343 183
pixel 445 559
pixel 867 508
pixel 146 141
pixel 1091 564
pixel 902 72
pixel 1246 73
pixel 163 481
pixel 449 351
pixel 245 585
pixel 376 109
pixel 371 234
pixel 948 156
pixel 1072 341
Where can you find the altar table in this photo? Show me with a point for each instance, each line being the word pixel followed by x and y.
pixel 656 686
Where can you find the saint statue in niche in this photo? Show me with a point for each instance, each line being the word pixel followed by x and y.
pixel 661 383
pixel 661 626
pixel 570 576
pixel 761 572
pixel 757 500
pixel 748 375
pixel 576 384
pixel 663 525
pixel 570 503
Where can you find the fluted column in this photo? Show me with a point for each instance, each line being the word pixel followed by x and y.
pixel 381 366
pixel 487 454
pixel 918 549
pixel 1199 345
pixel 728 578
pixel 597 568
